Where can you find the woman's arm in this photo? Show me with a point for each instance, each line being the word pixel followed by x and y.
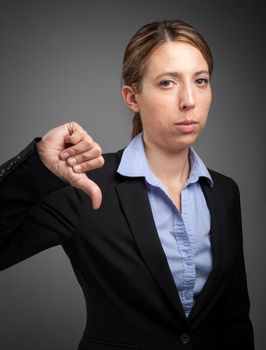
pixel 37 207
pixel 237 330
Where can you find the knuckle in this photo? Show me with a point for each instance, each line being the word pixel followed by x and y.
pixel 74 124
pixel 77 135
pixel 98 149
pixel 84 167
pixel 101 161
pixel 72 151
pixel 89 141
pixel 89 145
pixel 80 168
pixel 70 126
pixel 83 157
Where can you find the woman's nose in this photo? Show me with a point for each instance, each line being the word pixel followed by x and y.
pixel 186 98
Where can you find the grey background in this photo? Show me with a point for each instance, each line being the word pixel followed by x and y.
pixel 61 61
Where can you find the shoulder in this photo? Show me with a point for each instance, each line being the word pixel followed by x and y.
pixel 225 187
pixel 222 180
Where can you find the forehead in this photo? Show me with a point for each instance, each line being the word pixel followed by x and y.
pixel 175 56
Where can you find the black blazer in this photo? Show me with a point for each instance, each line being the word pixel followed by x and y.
pixel 131 298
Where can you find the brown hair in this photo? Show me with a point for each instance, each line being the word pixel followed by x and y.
pixel 145 41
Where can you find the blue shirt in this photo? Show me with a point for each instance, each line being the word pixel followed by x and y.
pixel 184 236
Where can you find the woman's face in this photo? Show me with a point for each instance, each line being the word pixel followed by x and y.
pixel 175 97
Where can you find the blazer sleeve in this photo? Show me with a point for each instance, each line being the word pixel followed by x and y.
pixel 37 209
pixel 237 330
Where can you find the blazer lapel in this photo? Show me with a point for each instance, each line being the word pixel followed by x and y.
pixel 218 225
pixel 135 204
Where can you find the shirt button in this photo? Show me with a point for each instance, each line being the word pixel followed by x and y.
pixel 184 338
pixel 189 295
pixel 188 261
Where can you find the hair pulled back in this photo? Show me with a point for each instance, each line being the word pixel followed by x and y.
pixel 145 41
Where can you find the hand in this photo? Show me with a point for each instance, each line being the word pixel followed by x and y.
pixel 68 151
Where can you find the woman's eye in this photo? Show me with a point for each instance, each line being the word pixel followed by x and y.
pixel 202 81
pixel 166 83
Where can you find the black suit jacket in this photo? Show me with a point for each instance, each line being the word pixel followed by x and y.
pixel 131 297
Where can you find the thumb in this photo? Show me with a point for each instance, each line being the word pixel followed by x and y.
pixel 90 188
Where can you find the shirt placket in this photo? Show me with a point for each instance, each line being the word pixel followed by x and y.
pixel 186 243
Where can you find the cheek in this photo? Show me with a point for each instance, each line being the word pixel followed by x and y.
pixel 209 100
pixel 148 109
pixel 155 105
pixel 206 103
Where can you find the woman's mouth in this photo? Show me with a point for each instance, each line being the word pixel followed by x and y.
pixel 186 126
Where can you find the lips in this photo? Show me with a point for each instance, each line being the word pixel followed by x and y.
pixel 186 126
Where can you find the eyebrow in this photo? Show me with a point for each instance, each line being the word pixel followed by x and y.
pixel 176 74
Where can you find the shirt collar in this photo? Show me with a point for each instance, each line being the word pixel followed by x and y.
pixel 135 164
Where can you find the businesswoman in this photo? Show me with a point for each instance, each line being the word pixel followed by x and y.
pixel 161 261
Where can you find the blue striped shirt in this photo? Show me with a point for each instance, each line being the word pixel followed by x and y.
pixel 184 236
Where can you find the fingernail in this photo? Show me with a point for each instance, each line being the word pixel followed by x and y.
pixel 72 161
pixel 64 155
pixel 77 168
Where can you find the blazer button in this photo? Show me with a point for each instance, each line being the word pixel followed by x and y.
pixel 2 173
pixel 184 338
pixel 10 166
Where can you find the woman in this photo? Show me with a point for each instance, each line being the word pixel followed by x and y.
pixel 161 261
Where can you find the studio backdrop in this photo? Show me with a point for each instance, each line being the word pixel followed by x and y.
pixel 61 61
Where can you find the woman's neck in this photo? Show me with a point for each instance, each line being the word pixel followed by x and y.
pixel 169 168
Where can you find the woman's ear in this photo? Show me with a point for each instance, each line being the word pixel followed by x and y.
pixel 130 98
